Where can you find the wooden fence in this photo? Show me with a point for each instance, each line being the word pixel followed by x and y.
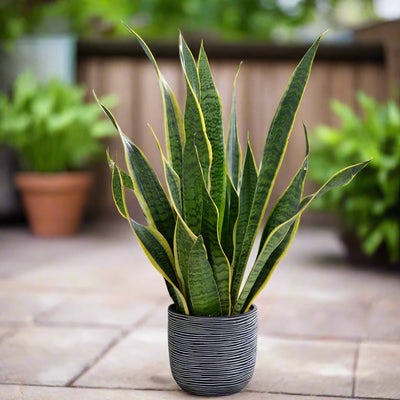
pixel 120 69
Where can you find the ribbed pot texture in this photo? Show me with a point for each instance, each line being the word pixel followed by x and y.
pixel 212 356
pixel 54 203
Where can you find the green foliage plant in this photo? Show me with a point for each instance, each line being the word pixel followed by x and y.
pixel 50 126
pixel 229 20
pixel 370 208
pixel 18 17
pixel 200 234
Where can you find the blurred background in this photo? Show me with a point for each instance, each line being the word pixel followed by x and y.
pixel 81 307
pixel 84 43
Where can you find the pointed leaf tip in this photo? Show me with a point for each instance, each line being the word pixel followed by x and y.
pixel 95 96
pixel 306 139
pixel 110 161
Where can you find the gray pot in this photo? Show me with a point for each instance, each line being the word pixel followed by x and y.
pixel 212 356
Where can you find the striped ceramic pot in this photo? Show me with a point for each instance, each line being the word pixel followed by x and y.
pixel 212 356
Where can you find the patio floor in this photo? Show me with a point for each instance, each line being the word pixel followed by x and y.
pixel 85 318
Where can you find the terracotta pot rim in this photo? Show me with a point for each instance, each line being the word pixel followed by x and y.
pixel 38 181
pixel 52 174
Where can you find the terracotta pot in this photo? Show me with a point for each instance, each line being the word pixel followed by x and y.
pixel 54 203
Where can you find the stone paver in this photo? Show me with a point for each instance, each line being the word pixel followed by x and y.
pixel 92 311
pixel 139 361
pixel 321 319
pixel 314 269
pixel 23 307
pixel 104 259
pixel 384 320
pixel 116 275
pixel 378 371
pixel 4 331
pixel 14 262
pixel 50 356
pixel 158 317
pixel 49 393
pixel 109 310
pixel 296 366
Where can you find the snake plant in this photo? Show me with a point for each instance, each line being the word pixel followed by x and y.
pixel 201 231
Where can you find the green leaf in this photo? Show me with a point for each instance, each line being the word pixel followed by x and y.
pixel 274 150
pixel 160 255
pixel 126 179
pixel 216 256
pixel 210 103
pixel 189 66
pixel 149 192
pixel 195 130
pixel 184 239
pixel 202 287
pixel 234 150
pixel 230 218
pixel 116 185
pixel 176 298
pixel 174 132
pixel 154 245
pixel 174 186
pixel 156 249
pixel 201 216
pixel 289 202
pixel 341 178
pixel 285 207
pixel 248 184
pixel 270 265
pixel 192 189
pixel 172 179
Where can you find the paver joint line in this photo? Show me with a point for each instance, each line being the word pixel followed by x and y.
pixel 112 344
pixel 356 356
pixel 13 330
pixel 124 332
pixel 294 336
pixel 147 316
pixel 79 325
pixel 179 391
pixel 329 396
pixel 43 312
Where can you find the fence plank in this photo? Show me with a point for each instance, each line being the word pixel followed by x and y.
pixel 371 80
pixel 259 88
pixel 343 86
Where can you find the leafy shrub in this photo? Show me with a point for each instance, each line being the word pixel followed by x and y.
pixel 50 126
pixel 370 207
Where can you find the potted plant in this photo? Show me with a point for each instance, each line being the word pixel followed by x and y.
pixel 369 210
pixel 56 136
pixel 199 235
